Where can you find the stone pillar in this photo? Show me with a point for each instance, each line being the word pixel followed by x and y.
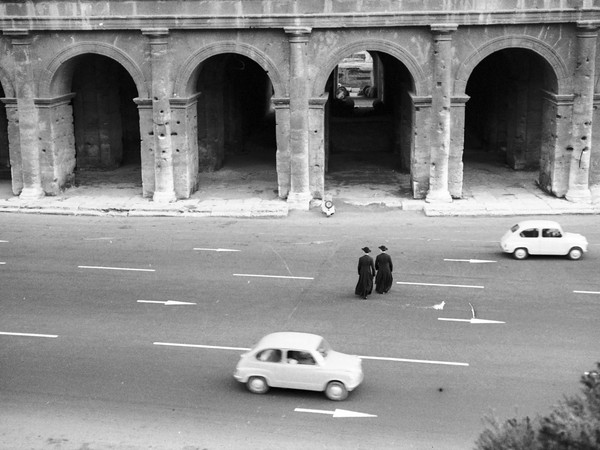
pixel 27 115
pixel 14 144
pixel 441 102
pixel 282 136
pixel 147 145
pixel 184 136
pixel 457 146
pixel 316 122
pixel 421 143
pixel 595 156
pixel 583 111
pixel 164 189
pixel 299 196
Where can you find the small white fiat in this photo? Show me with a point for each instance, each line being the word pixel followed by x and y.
pixel 542 237
pixel 299 361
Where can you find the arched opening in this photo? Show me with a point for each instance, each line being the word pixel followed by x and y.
pixel 504 117
pixel 5 168
pixel 369 121
pixel 236 126
pixel 106 122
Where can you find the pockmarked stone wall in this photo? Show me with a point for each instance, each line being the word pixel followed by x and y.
pixel 96 83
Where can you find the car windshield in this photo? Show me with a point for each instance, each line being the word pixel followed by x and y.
pixel 324 348
pixel 514 228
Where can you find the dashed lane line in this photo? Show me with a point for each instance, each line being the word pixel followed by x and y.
pixel 441 285
pixel 587 292
pixel 117 268
pixel 7 333
pixel 271 276
pixel 378 358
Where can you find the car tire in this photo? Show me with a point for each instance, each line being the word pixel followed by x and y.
pixel 520 253
pixel 336 391
pixel 575 253
pixel 257 385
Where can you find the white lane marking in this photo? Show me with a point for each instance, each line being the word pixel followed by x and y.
pixel 216 249
pixel 381 358
pixel 6 333
pixel 2 263
pixel 166 303
pixel 473 320
pixel 441 285
pixel 116 268
pixel 471 261
pixel 271 276
pixel 3 241
pixel 587 292
pixel 98 239
pixel 213 347
pixel 419 361
pixel 337 414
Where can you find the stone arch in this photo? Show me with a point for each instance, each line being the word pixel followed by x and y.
pixel 52 84
pixel 185 81
pixel 6 84
pixel 402 55
pixel 538 46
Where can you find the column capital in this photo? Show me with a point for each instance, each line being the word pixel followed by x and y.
pixel 156 35
pixel 18 36
pixel 588 26
pixel 298 34
pixel 443 29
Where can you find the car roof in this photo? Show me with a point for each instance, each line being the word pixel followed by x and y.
pixel 539 224
pixel 290 339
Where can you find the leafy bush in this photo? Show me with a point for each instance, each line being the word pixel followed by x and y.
pixel 573 424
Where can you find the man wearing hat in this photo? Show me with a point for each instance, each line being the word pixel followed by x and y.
pixel 366 273
pixel 384 267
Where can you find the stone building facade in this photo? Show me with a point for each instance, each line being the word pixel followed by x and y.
pixel 177 87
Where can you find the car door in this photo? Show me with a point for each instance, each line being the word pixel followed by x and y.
pixel 300 370
pixel 529 238
pixel 552 242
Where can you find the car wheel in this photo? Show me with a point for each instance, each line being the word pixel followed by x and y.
pixel 575 253
pixel 336 390
pixel 520 253
pixel 257 385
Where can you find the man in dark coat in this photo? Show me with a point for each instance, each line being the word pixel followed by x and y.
pixel 384 267
pixel 366 273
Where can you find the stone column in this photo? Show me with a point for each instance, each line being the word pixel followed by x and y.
pixel 316 121
pixel 420 146
pixel 27 115
pixel 299 196
pixel 441 102
pixel 164 189
pixel 147 145
pixel 184 135
pixel 14 145
pixel 282 136
pixel 583 110
pixel 457 146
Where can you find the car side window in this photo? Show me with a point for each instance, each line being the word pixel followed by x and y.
pixel 269 355
pixel 530 233
pixel 299 357
pixel 551 233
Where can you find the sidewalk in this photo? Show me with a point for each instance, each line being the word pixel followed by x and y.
pixel 252 192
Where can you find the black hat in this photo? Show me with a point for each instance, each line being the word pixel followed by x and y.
pixel 383 248
pixel 366 249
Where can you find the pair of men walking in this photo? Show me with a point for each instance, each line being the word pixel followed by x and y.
pixel 381 270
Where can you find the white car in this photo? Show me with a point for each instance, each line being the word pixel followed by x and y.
pixel 299 361
pixel 542 237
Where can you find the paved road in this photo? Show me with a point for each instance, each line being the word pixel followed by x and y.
pixel 104 382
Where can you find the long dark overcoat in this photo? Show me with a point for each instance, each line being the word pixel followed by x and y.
pixel 384 278
pixel 366 273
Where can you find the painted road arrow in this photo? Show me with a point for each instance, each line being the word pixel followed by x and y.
pixel 472 261
pixel 473 320
pixel 217 249
pixel 166 303
pixel 337 414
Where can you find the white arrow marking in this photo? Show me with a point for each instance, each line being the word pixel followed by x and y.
pixel 213 347
pixel 441 285
pixel 474 320
pixel 586 292
pixel 167 303
pixel 419 361
pixel 29 334
pixel 116 268
pixel 271 276
pixel 472 261
pixel 217 249
pixel 338 413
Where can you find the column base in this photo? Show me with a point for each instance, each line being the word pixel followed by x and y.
pixel 299 201
pixel 32 193
pixel 164 197
pixel 583 195
pixel 439 196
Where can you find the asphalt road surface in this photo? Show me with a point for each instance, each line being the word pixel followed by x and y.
pixel 92 357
